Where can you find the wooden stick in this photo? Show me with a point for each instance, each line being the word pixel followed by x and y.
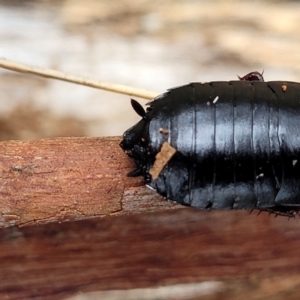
pixel 117 88
pixel 65 179
pixel 231 253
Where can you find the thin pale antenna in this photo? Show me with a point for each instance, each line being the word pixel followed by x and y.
pixel 116 88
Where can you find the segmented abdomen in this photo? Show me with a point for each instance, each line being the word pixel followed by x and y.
pixel 238 144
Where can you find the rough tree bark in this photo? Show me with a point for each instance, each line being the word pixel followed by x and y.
pixel 69 179
pixel 219 255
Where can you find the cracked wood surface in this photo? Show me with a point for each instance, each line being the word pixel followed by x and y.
pixel 66 179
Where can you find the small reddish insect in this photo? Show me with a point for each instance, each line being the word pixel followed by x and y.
pixel 237 144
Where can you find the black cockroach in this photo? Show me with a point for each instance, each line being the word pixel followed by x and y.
pixel 236 144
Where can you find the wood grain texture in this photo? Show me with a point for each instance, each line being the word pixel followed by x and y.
pixel 69 179
pixel 234 253
pixel 252 256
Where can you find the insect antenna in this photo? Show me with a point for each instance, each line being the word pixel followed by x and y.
pixel 138 108
pixel 135 173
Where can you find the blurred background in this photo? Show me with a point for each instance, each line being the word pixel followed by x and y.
pixel 147 44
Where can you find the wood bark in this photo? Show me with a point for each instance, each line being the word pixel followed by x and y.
pixel 227 254
pixel 220 254
pixel 66 179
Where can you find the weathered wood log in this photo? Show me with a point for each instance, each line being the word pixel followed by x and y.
pixel 229 254
pixel 69 179
pixel 223 252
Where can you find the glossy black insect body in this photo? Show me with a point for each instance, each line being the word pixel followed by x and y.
pixel 237 145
